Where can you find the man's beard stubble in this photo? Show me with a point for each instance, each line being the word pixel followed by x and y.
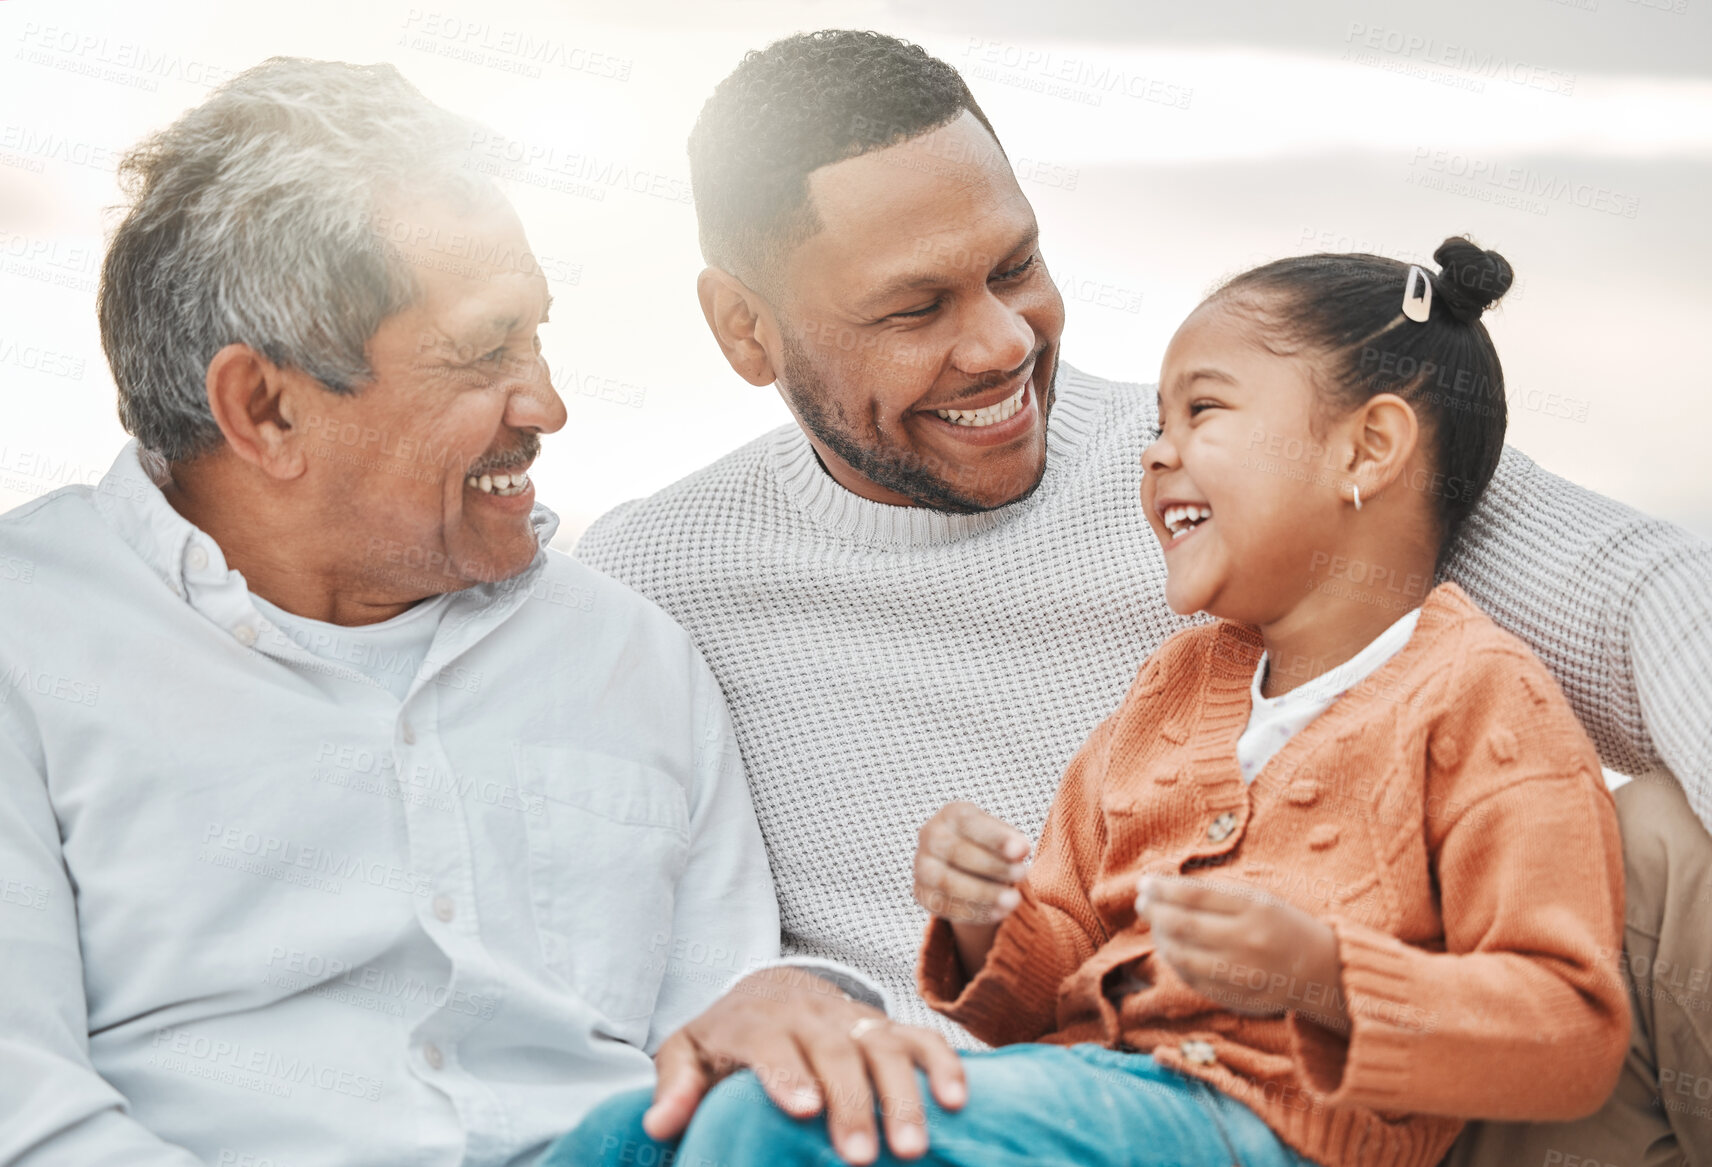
pixel 899 471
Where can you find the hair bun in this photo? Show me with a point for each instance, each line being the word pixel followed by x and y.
pixel 1470 279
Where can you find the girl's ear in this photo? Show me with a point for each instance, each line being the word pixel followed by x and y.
pixel 1384 433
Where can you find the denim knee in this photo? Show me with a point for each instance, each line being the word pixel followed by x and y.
pixel 737 1124
pixel 611 1133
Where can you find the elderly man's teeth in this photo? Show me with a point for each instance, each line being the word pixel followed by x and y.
pixel 991 415
pixel 504 485
pixel 1182 519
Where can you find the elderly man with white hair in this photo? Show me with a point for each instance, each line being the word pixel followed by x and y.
pixel 342 821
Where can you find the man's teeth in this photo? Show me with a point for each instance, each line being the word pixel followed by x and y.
pixel 1180 520
pixel 991 415
pixel 504 485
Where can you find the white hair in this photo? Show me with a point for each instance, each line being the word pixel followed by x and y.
pixel 252 221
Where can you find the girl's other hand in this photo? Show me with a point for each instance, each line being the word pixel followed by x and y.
pixel 1246 950
pixel 967 864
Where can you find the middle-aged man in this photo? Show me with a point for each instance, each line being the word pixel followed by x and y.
pixel 341 822
pixel 934 584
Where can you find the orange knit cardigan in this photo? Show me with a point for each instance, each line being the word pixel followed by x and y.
pixel 1448 819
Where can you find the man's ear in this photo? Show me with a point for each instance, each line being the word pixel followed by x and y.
pixel 1384 433
pixel 254 401
pixel 734 315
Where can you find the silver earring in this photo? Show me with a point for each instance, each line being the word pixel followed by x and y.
pixel 1355 489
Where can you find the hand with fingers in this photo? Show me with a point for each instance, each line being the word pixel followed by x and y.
pixel 967 865
pixel 1244 948
pixel 812 1047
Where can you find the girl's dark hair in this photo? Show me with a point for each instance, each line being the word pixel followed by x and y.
pixel 1349 308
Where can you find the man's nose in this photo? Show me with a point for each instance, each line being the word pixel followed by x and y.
pixel 995 336
pixel 534 404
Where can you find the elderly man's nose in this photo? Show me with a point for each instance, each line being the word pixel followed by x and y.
pixel 535 405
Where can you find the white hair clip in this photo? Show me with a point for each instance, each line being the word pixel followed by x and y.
pixel 1418 305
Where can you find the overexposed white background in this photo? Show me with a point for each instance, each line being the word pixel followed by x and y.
pixel 1164 146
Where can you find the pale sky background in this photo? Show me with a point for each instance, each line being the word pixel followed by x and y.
pixel 1164 147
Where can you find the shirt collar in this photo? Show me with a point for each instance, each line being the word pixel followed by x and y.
pixel 1329 685
pixel 187 559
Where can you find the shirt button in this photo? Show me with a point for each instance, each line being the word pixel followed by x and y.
pixel 245 634
pixel 408 733
pixel 445 908
pixel 1222 827
pixel 432 1055
pixel 1198 1053
pixel 197 559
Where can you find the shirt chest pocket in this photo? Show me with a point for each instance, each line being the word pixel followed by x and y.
pixel 606 850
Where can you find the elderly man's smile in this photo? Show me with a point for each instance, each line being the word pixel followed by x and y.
pixel 501 486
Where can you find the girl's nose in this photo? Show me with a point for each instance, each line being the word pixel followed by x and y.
pixel 1159 455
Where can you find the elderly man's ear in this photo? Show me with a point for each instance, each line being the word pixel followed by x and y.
pixel 742 322
pixel 257 404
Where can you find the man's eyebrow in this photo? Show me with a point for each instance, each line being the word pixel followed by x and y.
pixel 918 280
pixel 507 323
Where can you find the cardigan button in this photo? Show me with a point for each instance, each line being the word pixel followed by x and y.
pixel 1222 827
pixel 1197 1052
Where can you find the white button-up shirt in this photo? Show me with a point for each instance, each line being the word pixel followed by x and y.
pixel 259 910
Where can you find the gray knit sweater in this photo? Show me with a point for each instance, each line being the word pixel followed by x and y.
pixel 881 661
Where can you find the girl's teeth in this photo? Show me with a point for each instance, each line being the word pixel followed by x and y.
pixel 991 415
pixel 1180 520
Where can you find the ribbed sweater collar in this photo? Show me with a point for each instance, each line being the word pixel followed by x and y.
pixel 1074 417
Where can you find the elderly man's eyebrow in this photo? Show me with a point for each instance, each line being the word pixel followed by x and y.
pixel 917 280
pixel 506 323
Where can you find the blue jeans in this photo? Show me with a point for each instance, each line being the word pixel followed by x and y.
pixel 1029 1106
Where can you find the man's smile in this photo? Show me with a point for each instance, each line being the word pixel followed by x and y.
pixel 986 415
pixel 1003 414
pixel 499 485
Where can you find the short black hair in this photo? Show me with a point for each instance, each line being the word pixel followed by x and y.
pixel 1349 308
pixel 801 103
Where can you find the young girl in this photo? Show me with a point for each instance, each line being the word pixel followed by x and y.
pixel 1341 871
pixel 1379 872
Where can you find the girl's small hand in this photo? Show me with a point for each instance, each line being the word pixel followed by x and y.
pixel 1244 949
pixel 967 864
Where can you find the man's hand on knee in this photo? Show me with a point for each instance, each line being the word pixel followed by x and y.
pixel 812 1048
